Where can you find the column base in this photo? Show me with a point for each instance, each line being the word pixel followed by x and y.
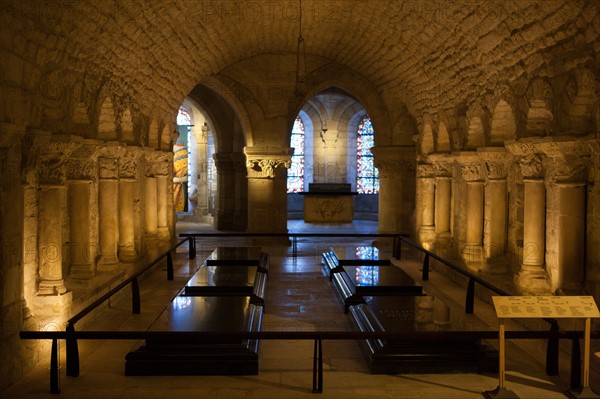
pixel 127 253
pixel 53 304
pixel 472 255
pixel 533 280
pixel 427 236
pixel 163 233
pixel 84 272
pixel 496 265
pixel 52 287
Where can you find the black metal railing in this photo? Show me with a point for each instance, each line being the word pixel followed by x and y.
pixel 317 336
pixel 71 340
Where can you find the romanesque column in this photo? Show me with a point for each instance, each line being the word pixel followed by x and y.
pixel 164 197
pixel 108 209
pixel 470 166
pixel 150 198
pixel 426 204
pixel 267 189
pixel 396 167
pixel 495 208
pixel 199 172
pixel 225 190
pixel 52 204
pixel 533 278
pixel 566 181
pixel 128 171
pixel 443 195
pixel 81 171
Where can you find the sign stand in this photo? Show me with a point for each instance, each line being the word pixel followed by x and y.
pixel 586 391
pixel 544 307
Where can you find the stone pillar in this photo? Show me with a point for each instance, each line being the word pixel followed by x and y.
pixel 396 167
pixel 151 214
pixel 495 209
pixel 108 210
pixel 162 206
pixel 52 295
pixel 567 180
pixel 533 278
pixel 82 216
pixel 472 252
pixel 442 164
pixel 267 189
pixel 426 194
pixel 199 173
pixel 225 191
pixel 128 171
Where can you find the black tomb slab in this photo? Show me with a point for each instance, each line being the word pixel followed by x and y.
pixel 228 280
pixel 356 282
pixel 174 355
pixel 239 256
pixel 337 257
pixel 429 351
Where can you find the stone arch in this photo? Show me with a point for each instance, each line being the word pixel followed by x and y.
pixel 127 128
pixel 583 111
pixel 107 126
pixel 153 134
pixel 427 141
pixel 503 126
pixel 477 122
pixel 540 114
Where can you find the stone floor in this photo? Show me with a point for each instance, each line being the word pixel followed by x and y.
pixel 299 298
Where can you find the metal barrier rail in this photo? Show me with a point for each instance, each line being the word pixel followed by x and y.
pixel 294 237
pixel 317 336
pixel 72 349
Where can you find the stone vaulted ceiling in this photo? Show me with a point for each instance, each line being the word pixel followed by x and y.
pixel 428 53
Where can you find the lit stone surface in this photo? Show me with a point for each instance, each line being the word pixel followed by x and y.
pixel 90 91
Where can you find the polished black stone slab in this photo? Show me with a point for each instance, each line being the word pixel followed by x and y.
pixel 239 256
pixel 228 280
pixel 172 355
pixel 419 355
pixel 336 257
pixel 355 282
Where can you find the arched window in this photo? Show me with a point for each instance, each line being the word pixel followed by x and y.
pixel 367 175
pixel 181 161
pixel 295 174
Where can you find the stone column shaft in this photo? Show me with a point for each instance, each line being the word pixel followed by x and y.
pixel 108 204
pixel 51 200
pixel 127 252
pixel 571 236
pixel 83 250
pixel 495 219
pixel 474 221
pixel 162 192
pixel 443 195
pixel 151 214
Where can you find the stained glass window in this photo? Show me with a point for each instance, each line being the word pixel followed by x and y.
pixel 183 118
pixel 295 174
pixel 369 252
pixel 367 275
pixel 367 175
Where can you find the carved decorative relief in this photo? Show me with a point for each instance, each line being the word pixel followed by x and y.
pixel 128 168
pixel 52 171
pixel 443 169
pixel 425 170
pixel 471 171
pixel 531 166
pixel 567 170
pixel 389 169
pixel 108 168
pixel 265 168
pixel 78 169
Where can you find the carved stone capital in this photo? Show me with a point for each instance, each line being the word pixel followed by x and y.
pixel 52 171
pixel 265 168
pixel 157 163
pixel 81 169
pixel 264 162
pixel 496 162
pixel 389 169
pixel 531 166
pixel 128 167
pixel 425 171
pixel 471 171
pixel 108 168
pixel 569 169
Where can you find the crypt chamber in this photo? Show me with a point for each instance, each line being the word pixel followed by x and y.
pixel 472 127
